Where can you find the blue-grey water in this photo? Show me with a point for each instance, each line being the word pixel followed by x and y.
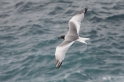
pixel 29 31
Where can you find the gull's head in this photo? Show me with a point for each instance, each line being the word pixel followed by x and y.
pixel 62 37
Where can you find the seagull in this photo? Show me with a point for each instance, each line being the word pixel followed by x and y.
pixel 71 36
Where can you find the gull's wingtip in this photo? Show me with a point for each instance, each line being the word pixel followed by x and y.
pixel 58 64
pixel 83 11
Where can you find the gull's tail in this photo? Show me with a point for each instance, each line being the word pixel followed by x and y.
pixel 83 40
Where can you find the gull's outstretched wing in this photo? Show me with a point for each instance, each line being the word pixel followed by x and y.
pixel 72 28
pixel 75 21
pixel 60 52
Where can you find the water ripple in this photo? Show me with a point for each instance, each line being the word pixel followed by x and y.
pixel 29 32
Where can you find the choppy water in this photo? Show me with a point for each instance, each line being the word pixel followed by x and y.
pixel 28 38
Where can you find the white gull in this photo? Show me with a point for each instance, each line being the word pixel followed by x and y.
pixel 70 37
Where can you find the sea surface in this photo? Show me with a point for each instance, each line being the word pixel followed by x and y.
pixel 29 31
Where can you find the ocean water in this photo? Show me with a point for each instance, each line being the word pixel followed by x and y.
pixel 29 31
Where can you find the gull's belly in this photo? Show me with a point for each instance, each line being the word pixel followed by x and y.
pixel 71 37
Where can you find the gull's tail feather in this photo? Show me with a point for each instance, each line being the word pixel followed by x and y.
pixel 83 40
pixel 58 64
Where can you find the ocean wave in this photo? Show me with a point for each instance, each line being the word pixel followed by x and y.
pixel 29 32
pixel 115 17
pixel 23 7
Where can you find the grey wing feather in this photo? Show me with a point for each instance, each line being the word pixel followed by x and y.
pixel 64 43
pixel 72 28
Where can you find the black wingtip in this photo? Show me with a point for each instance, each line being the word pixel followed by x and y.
pixel 58 64
pixel 57 67
pixel 85 10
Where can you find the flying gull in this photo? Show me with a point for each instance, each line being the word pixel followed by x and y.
pixel 70 37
